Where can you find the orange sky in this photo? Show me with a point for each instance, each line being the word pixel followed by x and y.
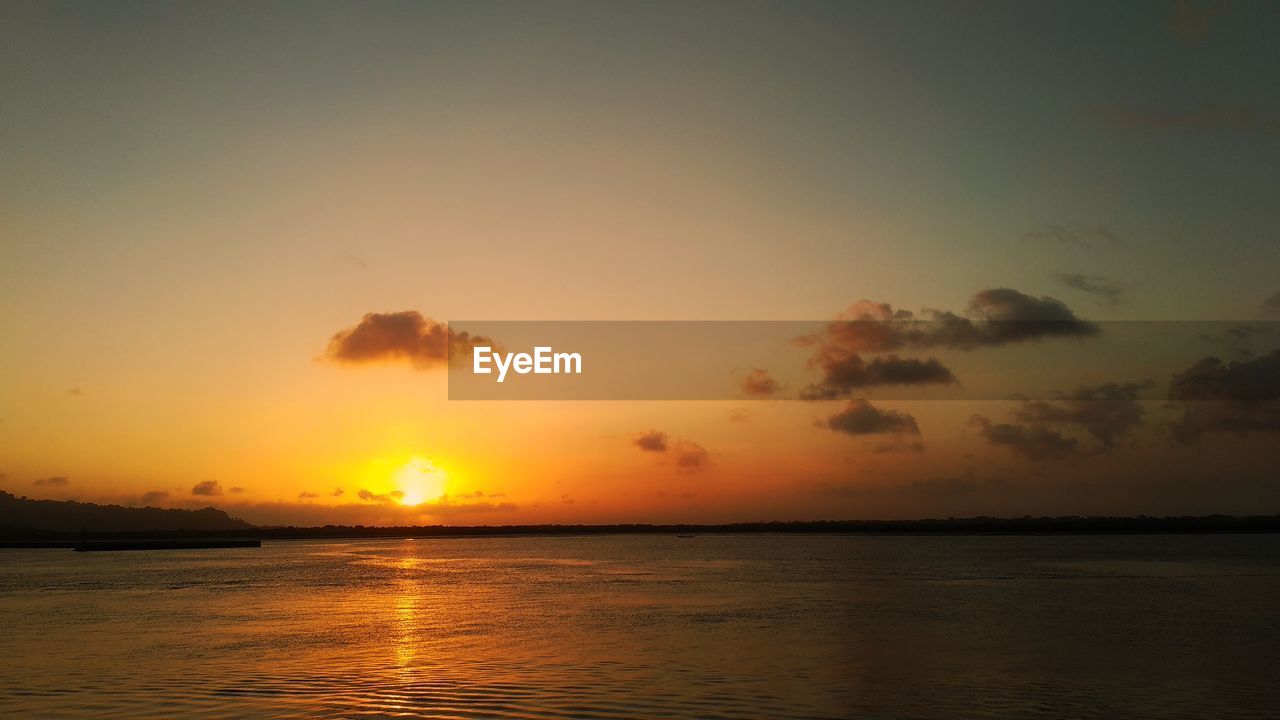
pixel 192 204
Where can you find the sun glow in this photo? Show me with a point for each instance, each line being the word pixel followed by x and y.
pixel 420 481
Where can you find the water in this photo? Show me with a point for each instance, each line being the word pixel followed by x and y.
pixel 753 626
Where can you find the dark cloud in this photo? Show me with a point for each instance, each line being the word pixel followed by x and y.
pixel 690 457
pixel 371 496
pixel 1107 412
pixel 56 481
pixel 862 418
pixel 75 392
pixel 1077 234
pixel 994 317
pixel 1034 442
pixel 235 490
pixel 304 495
pixel 154 496
pixel 1271 306
pixel 1097 285
pixel 1238 397
pixel 207 488
pixel 843 374
pixel 1193 21
pixel 1050 429
pixel 399 337
pixel 337 492
pixel 652 441
pixel 758 383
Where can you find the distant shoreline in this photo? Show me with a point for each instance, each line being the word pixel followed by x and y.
pixel 13 537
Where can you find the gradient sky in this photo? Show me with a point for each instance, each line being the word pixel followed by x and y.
pixel 194 198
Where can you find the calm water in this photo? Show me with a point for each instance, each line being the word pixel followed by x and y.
pixel 649 627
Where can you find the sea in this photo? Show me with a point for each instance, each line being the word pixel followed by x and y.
pixel 650 626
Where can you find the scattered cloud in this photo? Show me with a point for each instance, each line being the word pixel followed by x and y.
pixel 1030 441
pixel 691 457
pixel 844 374
pixel 208 488
pixel 738 415
pixel 404 336
pixel 1050 429
pixel 1081 235
pixel 994 317
pixel 1237 397
pixel 862 418
pixel 758 383
pixel 56 481
pixel 337 492
pixel 75 392
pixel 305 495
pixel 1105 290
pixel 235 490
pixel 652 441
pixel 154 496
pixel 371 496
pixel 1107 412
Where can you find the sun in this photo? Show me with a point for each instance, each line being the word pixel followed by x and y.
pixel 420 481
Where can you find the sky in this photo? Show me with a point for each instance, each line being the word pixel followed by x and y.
pixel 199 203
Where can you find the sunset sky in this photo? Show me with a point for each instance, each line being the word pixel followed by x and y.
pixel 197 201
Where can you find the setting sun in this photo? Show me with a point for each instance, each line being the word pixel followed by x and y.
pixel 420 481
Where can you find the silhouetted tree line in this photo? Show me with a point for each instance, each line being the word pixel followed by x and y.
pixel 23 520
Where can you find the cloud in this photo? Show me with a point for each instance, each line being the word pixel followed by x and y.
pixel 235 490
pixel 691 457
pixel 1271 306
pixel 1097 285
pixel 75 392
pixel 1050 429
pixel 843 374
pixel 1193 22
pixel 1030 441
pixel 862 418
pixel 1107 412
pixel 758 383
pixel 207 488
pixel 56 481
pixel 371 496
pixel 1078 234
pixel 305 495
pixel 1217 397
pixel 154 496
pixel 994 317
pixel 404 336
pixel 337 492
pixel 652 441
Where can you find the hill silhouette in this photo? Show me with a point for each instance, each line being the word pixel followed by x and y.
pixel 25 517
